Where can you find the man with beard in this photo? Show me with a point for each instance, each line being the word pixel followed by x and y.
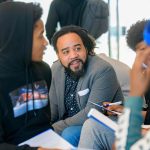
pixel 79 76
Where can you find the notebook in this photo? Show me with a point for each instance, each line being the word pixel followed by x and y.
pixel 102 119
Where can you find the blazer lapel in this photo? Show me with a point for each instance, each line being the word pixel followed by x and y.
pixel 78 89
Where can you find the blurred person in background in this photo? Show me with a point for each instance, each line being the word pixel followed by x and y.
pixel 93 129
pixel 129 135
pixel 64 12
pixel 91 15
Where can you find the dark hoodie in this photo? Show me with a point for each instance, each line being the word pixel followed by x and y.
pixel 22 115
pixel 66 12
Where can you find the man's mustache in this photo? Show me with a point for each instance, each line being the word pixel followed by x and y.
pixel 79 60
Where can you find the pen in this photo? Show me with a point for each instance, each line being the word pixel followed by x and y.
pixel 101 106
pixel 115 103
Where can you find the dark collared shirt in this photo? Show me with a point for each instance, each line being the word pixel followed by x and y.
pixel 70 101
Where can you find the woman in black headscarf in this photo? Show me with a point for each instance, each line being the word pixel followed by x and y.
pixel 24 78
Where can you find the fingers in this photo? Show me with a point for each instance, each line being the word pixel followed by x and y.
pixel 116 108
pixel 106 103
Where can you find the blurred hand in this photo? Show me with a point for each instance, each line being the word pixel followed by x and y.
pixel 144 131
pixel 118 108
pixel 113 146
pixel 140 76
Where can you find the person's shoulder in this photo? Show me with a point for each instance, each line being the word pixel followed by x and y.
pixel 98 67
pixel 44 65
pixel 98 62
pixel 41 67
pixel 114 62
pixel 56 65
pixel 122 66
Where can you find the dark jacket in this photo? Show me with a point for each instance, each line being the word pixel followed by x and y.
pixel 24 85
pixel 94 17
pixel 66 12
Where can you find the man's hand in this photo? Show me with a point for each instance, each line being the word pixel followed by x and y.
pixel 117 108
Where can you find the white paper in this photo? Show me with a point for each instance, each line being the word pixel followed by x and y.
pixel 48 139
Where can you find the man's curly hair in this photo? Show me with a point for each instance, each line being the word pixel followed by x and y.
pixel 135 34
pixel 87 39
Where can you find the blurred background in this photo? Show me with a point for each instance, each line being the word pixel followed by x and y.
pixel 123 13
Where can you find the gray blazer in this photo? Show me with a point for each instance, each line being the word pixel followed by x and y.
pixel 122 72
pixel 98 84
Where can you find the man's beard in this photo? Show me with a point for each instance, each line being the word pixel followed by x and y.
pixel 80 71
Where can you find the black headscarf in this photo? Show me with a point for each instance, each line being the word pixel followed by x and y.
pixel 16 31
